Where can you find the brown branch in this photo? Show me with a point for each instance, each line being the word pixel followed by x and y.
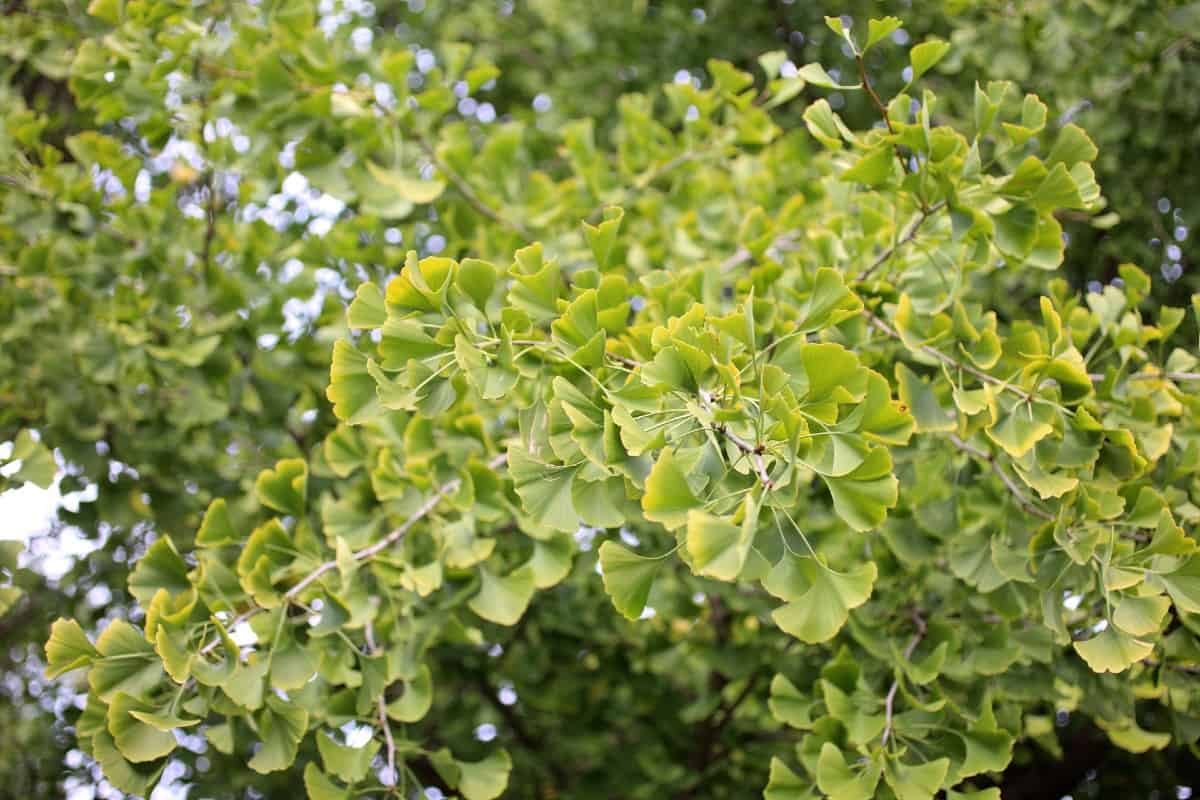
pixel 889 703
pixel 383 717
pixel 364 554
pixel 754 452
pixel 909 234
pixel 950 360
pixel 464 188
pixel 1024 502
pixel 883 112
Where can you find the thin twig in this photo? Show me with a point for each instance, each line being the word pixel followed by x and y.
pixel 464 188
pixel 883 112
pixel 909 234
pixel 889 703
pixel 950 360
pixel 383 717
pixel 753 451
pixel 364 554
pixel 1024 502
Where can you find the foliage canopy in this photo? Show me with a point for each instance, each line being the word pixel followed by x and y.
pixel 870 491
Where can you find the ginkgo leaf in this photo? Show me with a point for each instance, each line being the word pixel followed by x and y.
pixel 127 662
pixel 668 497
pixel 285 487
pixel 503 599
pixel 486 779
pixel 1112 651
pixel 838 779
pixel 544 489
pixel 819 599
pixel 351 764
pixel 718 547
pixel 916 781
pixel 627 577
pixel 68 648
pixel 160 568
pixel 138 741
pixel 320 787
pixel 862 497
pixel 414 703
pixel 783 784
pixel 281 726
pixel 367 311
pixel 1141 616
pixel 789 705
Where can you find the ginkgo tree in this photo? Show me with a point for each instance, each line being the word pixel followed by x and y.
pixel 871 494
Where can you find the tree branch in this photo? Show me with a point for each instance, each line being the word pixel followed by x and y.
pixel 882 326
pixel 465 189
pixel 754 452
pixel 383 717
pixel 909 234
pixel 1024 502
pixel 889 703
pixel 365 553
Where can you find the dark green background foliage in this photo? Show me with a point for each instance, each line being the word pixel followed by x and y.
pixel 170 300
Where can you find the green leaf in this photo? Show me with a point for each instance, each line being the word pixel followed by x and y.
pixel 668 498
pixel 815 74
pixel 281 726
pixel 551 560
pixel 478 279
pixel 602 238
pixel 878 29
pixel 486 779
pixel 503 600
pixel 351 764
pixel 826 126
pixel 125 775
pixel 1112 651
pixel 926 411
pixel 718 547
pixel 783 784
pixel 127 663
pixel 875 168
pixel 836 779
pixel 285 487
pixel 627 577
pixel 68 648
pixel 414 190
pixel 414 704
pixel 217 528
pixel 925 55
pixel 106 10
pixel 1020 428
pixel 320 787
pixel 292 667
pixel 351 389
pixel 819 600
pixel 544 489
pixel 862 497
pixel 160 568
pixel 789 705
pixel 1141 616
pixel 37 462
pixel 1184 585
pixel 367 311
pixel 137 741
pixel 916 781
